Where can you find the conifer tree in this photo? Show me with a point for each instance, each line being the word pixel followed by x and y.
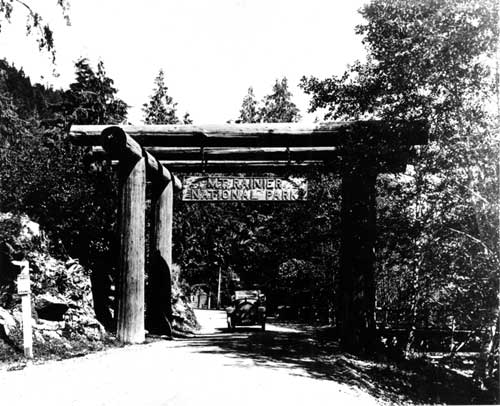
pixel 161 108
pixel 187 119
pixel 91 99
pixel 249 110
pixel 278 106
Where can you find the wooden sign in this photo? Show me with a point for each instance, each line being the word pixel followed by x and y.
pixel 23 279
pixel 228 188
pixel 23 289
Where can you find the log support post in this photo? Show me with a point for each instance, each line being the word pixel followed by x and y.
pixel 159 302
pixel 135 165
pixel 356 281
pixel 130 320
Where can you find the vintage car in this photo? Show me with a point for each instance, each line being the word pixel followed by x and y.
pixel 248 308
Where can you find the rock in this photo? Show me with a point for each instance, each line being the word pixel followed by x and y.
pixel 27 231
pixel 184 319
pixel 38 336
pixel 10 328
pixel 70 262
pixel 30 229
pixel 93 334
pixel 7 321
pixel 48 325
pixel 52 335
pixel 61 292
pixel 50 307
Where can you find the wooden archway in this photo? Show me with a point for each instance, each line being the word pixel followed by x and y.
pixel 358 150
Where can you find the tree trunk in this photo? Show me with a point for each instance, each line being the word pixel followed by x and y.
pixel 415 301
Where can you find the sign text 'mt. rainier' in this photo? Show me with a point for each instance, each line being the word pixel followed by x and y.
pixel 227 188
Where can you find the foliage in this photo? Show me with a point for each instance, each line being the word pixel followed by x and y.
pixel 277 106
pixel 187 119
pixel 34 21
pixel 10 228
pixel 249 109
pixel 161 108
pixel 236 238
pixel 437 249
pixel 91 99
pixel 250 243
pixel 43 175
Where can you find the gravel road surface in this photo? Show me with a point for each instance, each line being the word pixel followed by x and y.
pixel 216 367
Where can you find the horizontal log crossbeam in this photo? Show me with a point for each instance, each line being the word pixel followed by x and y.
pixel 263 134
pixel 209 154
pixel 265 146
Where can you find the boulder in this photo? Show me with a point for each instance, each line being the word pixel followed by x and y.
pixel 10 329
pixel 51 307
pixel 7 322
pixel 184 319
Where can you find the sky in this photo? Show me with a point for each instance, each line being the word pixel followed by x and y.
pixel 211 51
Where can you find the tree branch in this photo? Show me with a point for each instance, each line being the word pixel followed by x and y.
pixel 476 240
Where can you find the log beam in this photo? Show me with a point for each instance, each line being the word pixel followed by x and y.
pixel 397 163
pixel 233 154
pixel 264 135
pixel 119 145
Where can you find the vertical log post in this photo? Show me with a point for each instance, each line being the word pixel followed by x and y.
pixel 159 302
pixel 130 320
pixel 356 284
pixel 135 164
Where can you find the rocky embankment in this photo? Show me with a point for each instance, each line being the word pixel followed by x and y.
pixel 63 318
pixel 184 320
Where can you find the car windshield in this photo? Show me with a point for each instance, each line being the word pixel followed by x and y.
pixel 246 294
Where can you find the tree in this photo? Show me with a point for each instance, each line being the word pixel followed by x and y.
pixel 91 99
pixel 431 60
pixel 35 22
pixel 187 119
pixel 161 108
pixel 278 107
pixel 249 109
pixel 44 176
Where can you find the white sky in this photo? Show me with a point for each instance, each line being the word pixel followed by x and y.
pixel 211 50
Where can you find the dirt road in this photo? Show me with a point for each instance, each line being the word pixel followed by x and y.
pixel 247 367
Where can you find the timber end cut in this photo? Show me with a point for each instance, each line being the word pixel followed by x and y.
pixel 119 145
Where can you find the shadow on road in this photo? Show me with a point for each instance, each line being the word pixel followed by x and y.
pixel 315 354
